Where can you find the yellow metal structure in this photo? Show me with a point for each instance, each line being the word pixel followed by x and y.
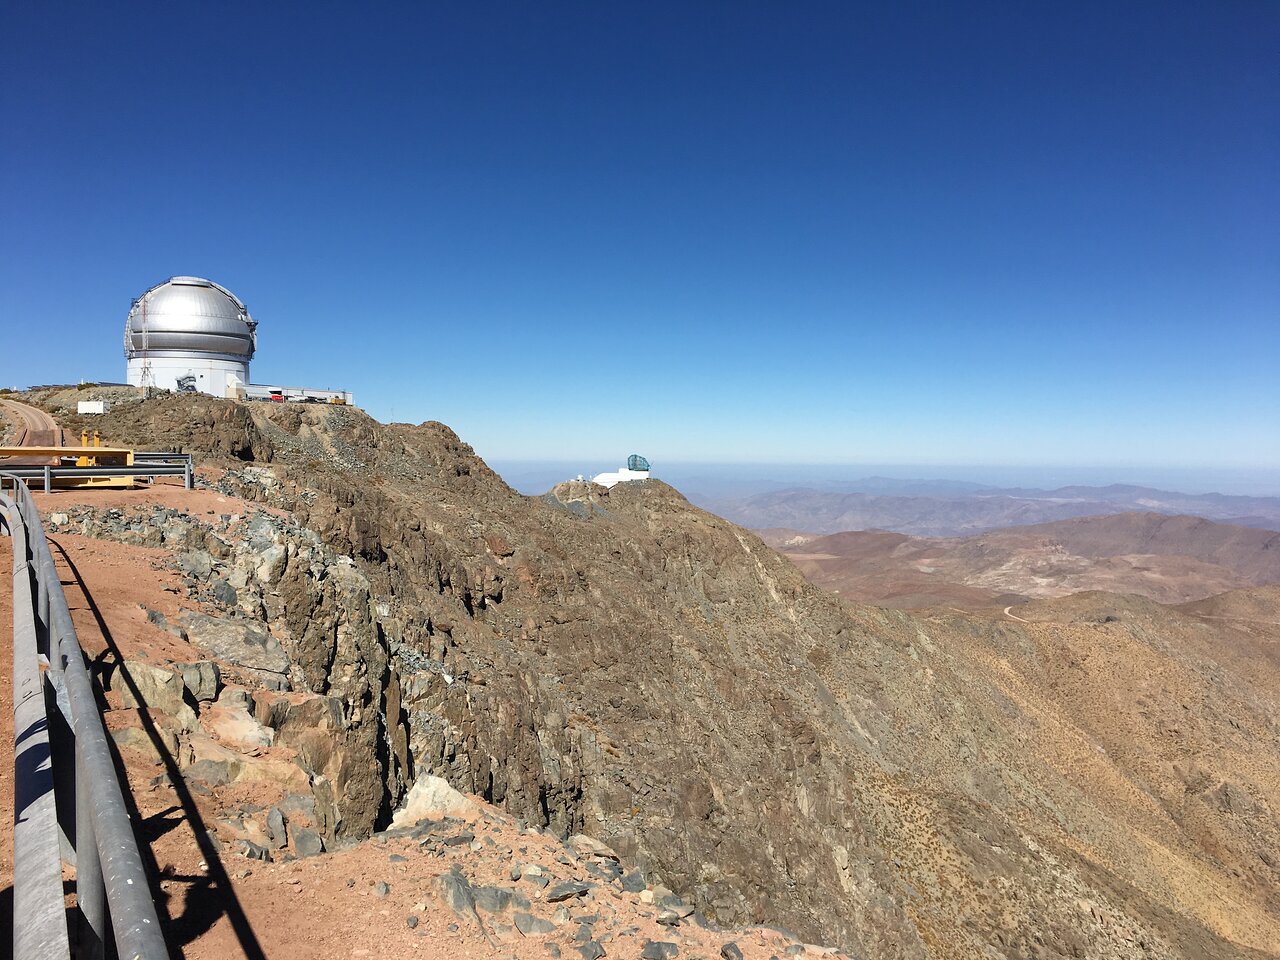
pixel 86 461
pixel 78 456
pixel 105 456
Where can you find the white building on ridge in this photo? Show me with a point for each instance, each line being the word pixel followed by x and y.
pixel 637 468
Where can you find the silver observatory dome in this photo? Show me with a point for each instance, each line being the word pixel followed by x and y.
pixel 190 317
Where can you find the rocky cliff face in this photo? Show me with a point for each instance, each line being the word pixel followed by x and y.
pixel 621 664
pixel 298 622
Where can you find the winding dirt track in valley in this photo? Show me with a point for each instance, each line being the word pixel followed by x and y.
pixel 1008 613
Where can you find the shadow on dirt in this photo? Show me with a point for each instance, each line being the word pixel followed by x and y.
pixel 208 897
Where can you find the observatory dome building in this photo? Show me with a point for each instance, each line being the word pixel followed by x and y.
pixel 637 468
pixel 190 335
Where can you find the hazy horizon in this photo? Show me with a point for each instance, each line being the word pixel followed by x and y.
pixel 537 476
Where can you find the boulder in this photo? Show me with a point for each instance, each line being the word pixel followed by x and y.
pixel 566 891
pixel 202 678
pixel 633 882
pixel 431 797
pixel 212 773
pixel 277 834
pixel 271 562
pixel 455 892
pixel 153 688
pixel 232 723
pixel 676 906
pixel 531 926
pixel 240 644
pixel 254 851
pixel 197 564
pixel 210 759
pixel 307 843
pixel 491 899
pixel 585 846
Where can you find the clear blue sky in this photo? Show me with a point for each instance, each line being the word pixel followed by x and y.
pixel 910 233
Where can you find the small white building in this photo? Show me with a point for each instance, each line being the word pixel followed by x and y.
pixel 637 468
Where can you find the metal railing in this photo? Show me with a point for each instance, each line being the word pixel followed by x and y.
pixel 144 465
pixel 50 682
pixel 160 456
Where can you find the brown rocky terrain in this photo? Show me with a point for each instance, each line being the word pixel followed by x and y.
pixel 1099 780
pixel 1169 559
pixel 451 877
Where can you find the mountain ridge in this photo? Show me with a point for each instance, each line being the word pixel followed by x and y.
pixel 624 664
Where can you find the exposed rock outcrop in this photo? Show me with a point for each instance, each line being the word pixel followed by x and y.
pixel 303 621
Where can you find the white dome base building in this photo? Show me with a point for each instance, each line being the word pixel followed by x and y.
pixel 637 468
pixel 190 335
pixel 218 378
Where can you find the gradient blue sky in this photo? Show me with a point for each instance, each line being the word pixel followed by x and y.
pixel 994 233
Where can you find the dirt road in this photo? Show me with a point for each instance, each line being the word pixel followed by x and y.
pixel 35 427
pixel 1008 612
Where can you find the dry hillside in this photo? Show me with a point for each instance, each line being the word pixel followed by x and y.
pixel 1098 782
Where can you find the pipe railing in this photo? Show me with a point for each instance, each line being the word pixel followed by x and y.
pixel 162 456
pixel 47 473
pixel 112 891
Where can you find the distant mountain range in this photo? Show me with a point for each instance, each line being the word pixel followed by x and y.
pixel 1168 559
pixel 927 508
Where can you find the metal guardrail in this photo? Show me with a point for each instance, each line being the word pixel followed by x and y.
pixel 144 465
pixel 152 456
pixel 110 879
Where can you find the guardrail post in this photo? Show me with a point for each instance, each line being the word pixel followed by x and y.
pixel 46 573
pixel 186 474
pixel 48 479
pixel 42 613
pixel 90 890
